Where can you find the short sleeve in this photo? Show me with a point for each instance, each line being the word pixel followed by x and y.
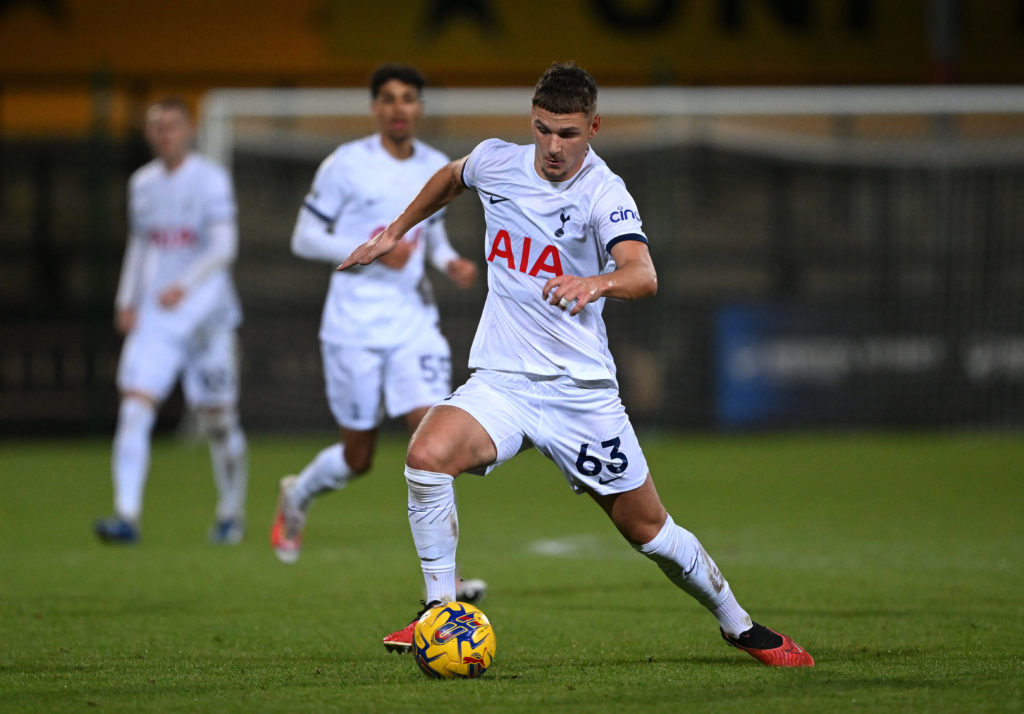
pixel 329 190
pixel 616 216
pixel 471 169
pixel 220 197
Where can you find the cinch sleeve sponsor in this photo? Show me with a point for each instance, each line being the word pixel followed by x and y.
pixel 616 215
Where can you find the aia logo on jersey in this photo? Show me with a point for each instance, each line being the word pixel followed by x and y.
pixel 548 259
pixel 174 238
pixel 623 215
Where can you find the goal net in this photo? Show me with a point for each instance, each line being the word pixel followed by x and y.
pixel 826 256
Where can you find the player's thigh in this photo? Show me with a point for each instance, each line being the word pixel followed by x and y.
pixel 449 440
pixel 211 371
pixel 150 363
pixel 476 428
pixel 417 373
pixel 354 380
pixel 587 433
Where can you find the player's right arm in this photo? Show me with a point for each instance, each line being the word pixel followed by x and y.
pixel 129 284
pixel 314 237
pixel 440 190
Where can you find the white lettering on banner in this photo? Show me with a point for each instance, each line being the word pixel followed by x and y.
pixel 994 358
pixel 827 360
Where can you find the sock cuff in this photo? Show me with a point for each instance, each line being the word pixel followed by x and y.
pixel 427 478
pixel 658 543
pixel 428 487
pixel 335 451
pixel 218 421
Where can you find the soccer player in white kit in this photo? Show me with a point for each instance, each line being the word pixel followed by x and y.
pixel 383 351
pixel 563 234
pixel 177 307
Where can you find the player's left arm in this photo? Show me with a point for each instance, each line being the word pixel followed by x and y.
pixel 633 278
pixel 129 285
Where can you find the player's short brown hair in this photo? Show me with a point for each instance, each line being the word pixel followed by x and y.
pixel 402 72
pixel 175 103
pixel 566 89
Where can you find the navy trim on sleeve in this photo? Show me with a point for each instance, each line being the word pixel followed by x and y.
pixel 462 175
pixel 309 207
pixel 627 236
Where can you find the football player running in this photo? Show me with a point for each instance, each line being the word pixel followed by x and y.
pixel 563 234
pixel 382 348
pixel 177 307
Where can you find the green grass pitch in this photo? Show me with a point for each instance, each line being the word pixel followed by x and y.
pixel 896 560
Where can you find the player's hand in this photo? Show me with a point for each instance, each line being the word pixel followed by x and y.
pixel 400 254
pixel 171 296
pixel 369 251
pixel 462 272
pixel 571 292
pixel 124 320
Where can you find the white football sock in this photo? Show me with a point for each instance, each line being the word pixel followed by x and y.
pixel 434 521
pixel 229 454
pixel 328 471
pixel 683 559
pixel 130 463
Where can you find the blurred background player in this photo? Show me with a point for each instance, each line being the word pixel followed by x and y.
pixel 177 307
pixel 382 348
pixel 563 233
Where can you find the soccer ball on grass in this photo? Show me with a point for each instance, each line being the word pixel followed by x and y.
pixel 454 640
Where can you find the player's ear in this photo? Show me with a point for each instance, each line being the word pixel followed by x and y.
pixel 595 125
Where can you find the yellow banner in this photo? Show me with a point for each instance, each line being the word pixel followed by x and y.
pixel 486 42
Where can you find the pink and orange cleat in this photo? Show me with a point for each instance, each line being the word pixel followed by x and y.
pixel 771 648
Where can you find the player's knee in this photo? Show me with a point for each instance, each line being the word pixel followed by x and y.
pixel 135 412
pixel 643 533
pixel 358 460
pixel 217 424
pixel 425 455
pixel 641 529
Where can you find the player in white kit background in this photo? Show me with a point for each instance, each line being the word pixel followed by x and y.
pixel 177 307
pixel 563 234
pixel 382 348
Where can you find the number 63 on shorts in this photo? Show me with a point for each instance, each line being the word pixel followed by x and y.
pixel 614 464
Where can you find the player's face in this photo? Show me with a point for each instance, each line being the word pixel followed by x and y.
pixel 169 133
pixel 398 109
pixel 561 142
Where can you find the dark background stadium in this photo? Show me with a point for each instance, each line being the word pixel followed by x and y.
pixel 908 274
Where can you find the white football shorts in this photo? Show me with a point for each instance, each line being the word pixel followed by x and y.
pixel 365 383
pixel 207 362
pixel 586 432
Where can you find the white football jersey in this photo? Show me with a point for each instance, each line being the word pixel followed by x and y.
pixel 172 212
pixel 536 230
pixel 359 189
